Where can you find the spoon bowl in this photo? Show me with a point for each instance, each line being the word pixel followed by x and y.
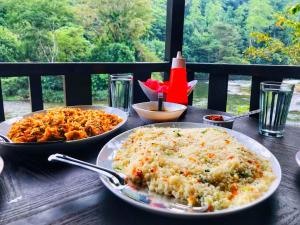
pixel 298 158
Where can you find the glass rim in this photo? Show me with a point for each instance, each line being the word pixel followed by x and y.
pixel 121 75
pixel 276 84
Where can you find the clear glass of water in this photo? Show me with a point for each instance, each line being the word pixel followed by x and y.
pixel 275 99
pixel 121 91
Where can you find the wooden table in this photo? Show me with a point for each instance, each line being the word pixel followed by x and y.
pixel 34 191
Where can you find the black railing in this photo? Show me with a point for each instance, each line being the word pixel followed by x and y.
pixel 77 79
pixel 219 73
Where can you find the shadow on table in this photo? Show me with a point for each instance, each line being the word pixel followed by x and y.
pixel 118 212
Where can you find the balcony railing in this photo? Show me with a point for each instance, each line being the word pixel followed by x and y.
pixel 77 79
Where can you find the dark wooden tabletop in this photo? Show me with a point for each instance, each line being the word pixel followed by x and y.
pixel 34 191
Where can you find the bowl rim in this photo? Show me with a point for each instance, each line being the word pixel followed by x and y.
pixel 135 106
pixel 213 121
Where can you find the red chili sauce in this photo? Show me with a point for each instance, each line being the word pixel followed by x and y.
pixel 215 118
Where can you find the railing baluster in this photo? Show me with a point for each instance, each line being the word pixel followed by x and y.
pixel 138 94
pixel 190 77
pixel 2 115
pixel 78 89
pixel 217 91
pixel 36 94
pixel 255 89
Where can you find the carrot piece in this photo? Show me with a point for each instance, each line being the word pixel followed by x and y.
pixel 211 155
pixel 186 173
pixel 210 208
pixel 153 169
pixel 230 157
pixel 234 189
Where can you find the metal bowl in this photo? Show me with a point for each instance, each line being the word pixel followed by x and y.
pixel 228 123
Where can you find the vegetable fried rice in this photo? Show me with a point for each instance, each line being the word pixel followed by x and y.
pixel 197 166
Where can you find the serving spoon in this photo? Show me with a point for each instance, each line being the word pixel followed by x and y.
pixel 243 115
pixel 120 182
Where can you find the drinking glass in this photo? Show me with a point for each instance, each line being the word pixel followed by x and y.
pixel 121 91
pixel 275 99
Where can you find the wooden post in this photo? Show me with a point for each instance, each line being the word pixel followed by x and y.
pixel 36 94
pixel 2 115
pixel 78 89
pixel 174 30
pixel 217 91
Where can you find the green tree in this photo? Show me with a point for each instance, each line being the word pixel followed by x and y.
pixel 275 50
pixel 71 45
pixel 126 22
pixel 259 16
pixel 35 21
pixel 227 38
pixel 10 46
pixel 113 52
pixel 154 40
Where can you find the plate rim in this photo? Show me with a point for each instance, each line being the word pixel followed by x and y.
pixel 66 142
pixel 1 164
pixel 275 184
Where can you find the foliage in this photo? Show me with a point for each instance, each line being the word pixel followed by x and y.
pixel 112 52
pixel 10 46
pixel 100 87
pixel 15 86
pixel 276 50
pixel 71 46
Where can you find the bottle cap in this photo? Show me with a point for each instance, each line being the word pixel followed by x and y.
pixel 179 61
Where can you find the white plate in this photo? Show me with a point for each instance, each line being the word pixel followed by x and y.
pixel 108 151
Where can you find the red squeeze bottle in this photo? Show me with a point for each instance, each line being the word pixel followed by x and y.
pixel 178 86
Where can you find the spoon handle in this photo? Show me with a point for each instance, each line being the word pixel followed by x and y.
pixel 246 114
pixel 116 178
pixel 119 180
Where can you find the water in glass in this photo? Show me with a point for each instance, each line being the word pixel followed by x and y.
pixel 275 99
pixel 121 91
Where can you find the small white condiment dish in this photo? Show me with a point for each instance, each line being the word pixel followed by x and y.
pixel 148 112
pixel 227 123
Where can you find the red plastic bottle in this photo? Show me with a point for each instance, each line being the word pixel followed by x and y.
pixel 178 86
